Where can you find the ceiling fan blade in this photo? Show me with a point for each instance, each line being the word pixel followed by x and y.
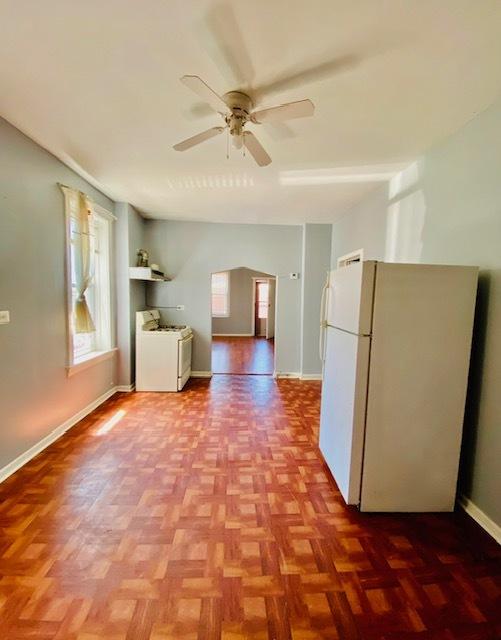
pixel 226 45
pixel 198 86
pixel 200 137
pixel 308 75
pixel 299 109
pixel 255 149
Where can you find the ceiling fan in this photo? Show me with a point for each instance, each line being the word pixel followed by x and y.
pixel 236 109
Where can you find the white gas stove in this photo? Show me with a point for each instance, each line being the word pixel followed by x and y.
pixel 163 353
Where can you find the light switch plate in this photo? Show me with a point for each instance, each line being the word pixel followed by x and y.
pixel 4 317
pixel 180 307
pixel 294 276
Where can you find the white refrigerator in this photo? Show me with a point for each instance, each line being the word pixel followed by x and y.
pixel 396 340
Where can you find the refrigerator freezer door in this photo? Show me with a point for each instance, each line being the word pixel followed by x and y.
pixel 422 328
pixel 342 420
pixel 349 299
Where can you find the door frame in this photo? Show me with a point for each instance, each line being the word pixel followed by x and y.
pixel 256 279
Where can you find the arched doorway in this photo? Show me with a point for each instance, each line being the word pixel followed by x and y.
pixel 243 303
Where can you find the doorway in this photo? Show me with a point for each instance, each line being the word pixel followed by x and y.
pixel 264 308
pixel 243 303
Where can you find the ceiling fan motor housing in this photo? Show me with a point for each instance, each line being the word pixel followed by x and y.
pixel 240 106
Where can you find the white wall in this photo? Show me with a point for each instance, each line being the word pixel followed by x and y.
pixel 36 396
pixel 240 320
pixel 446 209
pixel 190 252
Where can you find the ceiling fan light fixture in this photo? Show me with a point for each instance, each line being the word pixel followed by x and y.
pixel 236 108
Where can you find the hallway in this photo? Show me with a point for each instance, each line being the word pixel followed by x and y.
pixel 242 355
pixel 209 514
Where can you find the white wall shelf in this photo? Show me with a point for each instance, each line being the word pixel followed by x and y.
pixel 147 273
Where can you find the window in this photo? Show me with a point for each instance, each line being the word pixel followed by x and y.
pixel 221 294
pixel 263 289
pixel 88 268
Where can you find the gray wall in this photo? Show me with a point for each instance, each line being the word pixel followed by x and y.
pixel 316 261
pixel 130 293
pixel 36 396
pixel 190 252
pixel 446 209
pixel 239 322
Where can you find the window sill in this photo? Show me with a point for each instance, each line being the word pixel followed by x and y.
pixel 89 361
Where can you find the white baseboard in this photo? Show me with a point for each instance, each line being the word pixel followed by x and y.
pixel 311 376
pixel 481 518
pixel 232 335
pixel 126 388
pixel 201 374
pixel 25 457
pixel 285 374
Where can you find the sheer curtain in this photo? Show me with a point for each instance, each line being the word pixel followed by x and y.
pixel 79 213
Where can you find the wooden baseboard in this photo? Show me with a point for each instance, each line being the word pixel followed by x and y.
pixel 201 374
pixel 42 444
pixel 286 374
pixel 311 376
pixel 481 518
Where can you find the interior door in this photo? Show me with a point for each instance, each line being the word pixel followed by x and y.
pixel 342 418
pixel 261 307
pixel 270 320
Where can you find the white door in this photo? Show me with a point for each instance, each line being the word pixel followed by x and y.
pixel 270 321
pixel 349 298
pixel 342 419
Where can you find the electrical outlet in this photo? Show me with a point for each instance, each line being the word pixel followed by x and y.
pixel 180 307
pixel 4 317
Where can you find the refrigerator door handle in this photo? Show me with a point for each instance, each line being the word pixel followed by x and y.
pixel 323 320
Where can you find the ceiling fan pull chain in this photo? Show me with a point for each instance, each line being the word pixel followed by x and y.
pixel 228 144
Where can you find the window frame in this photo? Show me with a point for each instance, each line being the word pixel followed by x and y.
pixel 228 299
pixel 105 348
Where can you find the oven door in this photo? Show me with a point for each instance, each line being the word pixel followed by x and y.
pixel 184 360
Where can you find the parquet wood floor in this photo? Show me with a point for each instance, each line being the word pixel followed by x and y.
pixel 209 514
pixel 242 355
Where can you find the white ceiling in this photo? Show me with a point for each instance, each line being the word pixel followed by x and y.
pixel 97 84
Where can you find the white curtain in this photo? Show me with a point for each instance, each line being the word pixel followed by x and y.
pixel 79 213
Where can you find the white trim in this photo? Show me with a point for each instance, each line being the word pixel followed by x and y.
pixel 101 211
pixel 201 374
pixel 311 376
pixel 286 374
pixel 349 258
pixel 126 388
pixel 232 335
pixel 89 360
pixel 481 518
pixel 42 444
